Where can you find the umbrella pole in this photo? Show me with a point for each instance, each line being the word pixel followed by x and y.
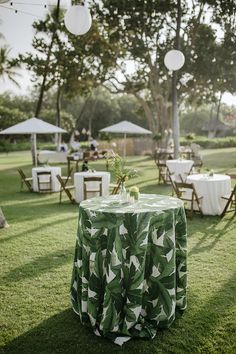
pixel 124 145
pixel 34 149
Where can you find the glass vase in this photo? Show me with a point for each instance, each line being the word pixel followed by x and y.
pixel 123 192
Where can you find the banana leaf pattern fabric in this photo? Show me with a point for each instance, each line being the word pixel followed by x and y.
pixel 129 275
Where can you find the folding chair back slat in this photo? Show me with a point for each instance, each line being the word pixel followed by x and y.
pixel 44 179
pixel 92 179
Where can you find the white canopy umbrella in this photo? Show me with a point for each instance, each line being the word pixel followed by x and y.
pixel 33 126
pixel 125 128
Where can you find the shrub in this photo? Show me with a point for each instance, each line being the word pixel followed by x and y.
pixel 7 146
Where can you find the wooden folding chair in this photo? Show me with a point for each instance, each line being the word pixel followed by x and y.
pixel 161 166
pixel 187 193
pixel 172 182
pixel 231 200
pixel 92 190
pixel 66 189
pixel 44 179
pixel 186 174
pixel 66 179
pixel 25 180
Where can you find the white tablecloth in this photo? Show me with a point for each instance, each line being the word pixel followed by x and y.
pixel 54 172
pixel 79 184
pixel 179 167
pixel 46 156
pixel 211 189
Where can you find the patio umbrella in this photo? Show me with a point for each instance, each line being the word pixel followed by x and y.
pixel 33 126
pixel 125 128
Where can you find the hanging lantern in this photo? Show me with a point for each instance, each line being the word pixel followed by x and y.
pixel 78 19
pixel 174 60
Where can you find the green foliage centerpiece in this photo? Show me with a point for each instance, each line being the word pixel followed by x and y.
pixel 121 172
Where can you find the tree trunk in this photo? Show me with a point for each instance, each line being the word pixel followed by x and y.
pixel 175 118
pixel 91 116
pixel 85 104
pixel 148 112
pixel 209 133
pixel 217 114
pixel 58 116
pixel 46 68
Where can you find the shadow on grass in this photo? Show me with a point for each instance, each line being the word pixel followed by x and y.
pixel 138 159
pixel 31 231
pixel 37 210
pixel 212 233
pixel 39 265
pixel 63 333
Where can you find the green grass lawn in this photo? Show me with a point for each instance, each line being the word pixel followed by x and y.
pixel 36 263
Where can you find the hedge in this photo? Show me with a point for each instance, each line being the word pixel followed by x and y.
pixel 7 146
pixel 204 142
pixel 210 143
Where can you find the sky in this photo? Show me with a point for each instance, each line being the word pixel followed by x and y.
pixel 18 33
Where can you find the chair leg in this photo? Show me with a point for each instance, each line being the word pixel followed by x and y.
pixel 234 203
pixel 225 208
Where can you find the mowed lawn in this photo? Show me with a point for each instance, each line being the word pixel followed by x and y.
pixel 36 262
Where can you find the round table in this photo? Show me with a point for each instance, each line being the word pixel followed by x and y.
pixel 129 274
pixel 179 168
pixel 54 172
pixel 211 189
pixel 79 183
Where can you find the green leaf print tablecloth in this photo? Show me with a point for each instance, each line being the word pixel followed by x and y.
pixel 129 274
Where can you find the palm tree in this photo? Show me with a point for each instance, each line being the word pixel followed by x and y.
pixel 8 66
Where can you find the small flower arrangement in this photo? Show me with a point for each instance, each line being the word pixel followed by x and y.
pixel 134 192
pixel 211 173
pixel 121 172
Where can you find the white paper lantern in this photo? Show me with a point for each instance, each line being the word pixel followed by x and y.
pixel 174 60
pixel 78 19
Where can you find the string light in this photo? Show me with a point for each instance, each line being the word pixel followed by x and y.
pixel 32 4
pixel 20 11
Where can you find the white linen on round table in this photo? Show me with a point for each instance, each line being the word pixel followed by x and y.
pixel 79 184
pixel 54 172
pixel 211 189
pixel 179 167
